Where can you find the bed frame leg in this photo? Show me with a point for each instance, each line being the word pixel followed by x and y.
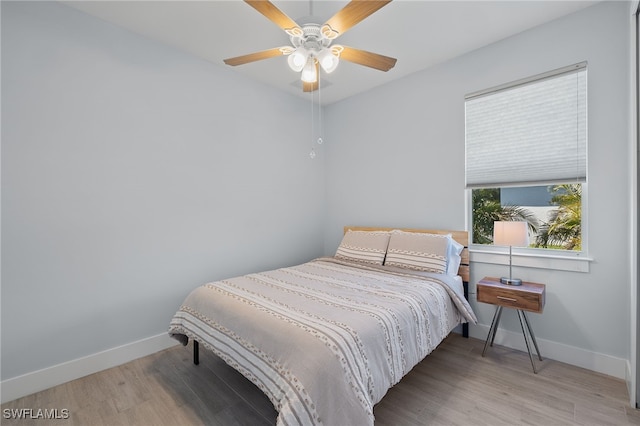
pixel 465 326
pixel 196 352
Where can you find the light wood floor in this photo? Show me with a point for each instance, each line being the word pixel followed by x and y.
pixel 452 386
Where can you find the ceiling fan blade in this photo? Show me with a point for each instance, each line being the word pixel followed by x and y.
pixel 257 56
pixel 309 87
pixel 350 15
pixel 368 59
pixel 275 15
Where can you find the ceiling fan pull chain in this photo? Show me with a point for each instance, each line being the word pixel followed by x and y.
pixel 312 154
pixel 320 127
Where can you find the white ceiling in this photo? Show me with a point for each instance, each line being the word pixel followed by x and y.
pixel 419 34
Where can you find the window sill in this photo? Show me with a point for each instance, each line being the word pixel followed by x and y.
pixel 532 260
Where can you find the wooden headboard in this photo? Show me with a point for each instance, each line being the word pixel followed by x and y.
pixel 461 237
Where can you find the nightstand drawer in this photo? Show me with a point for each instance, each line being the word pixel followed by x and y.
pixel 527 297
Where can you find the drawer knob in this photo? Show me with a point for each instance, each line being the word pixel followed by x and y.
pixel 508 299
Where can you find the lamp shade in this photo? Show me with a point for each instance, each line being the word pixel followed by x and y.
pixel 297 59
pixel 510 234
pixel 328 61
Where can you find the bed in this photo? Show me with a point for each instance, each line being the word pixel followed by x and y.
pixel 326 339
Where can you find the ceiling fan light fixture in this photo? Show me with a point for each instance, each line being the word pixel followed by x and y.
pixel 298 59
pixel 309 72
pixel 328 61
pixel 311 43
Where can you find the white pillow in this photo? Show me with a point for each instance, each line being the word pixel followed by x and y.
pixel 453 256
pixel 364 246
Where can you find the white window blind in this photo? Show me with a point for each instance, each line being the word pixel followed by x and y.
pixel 532 131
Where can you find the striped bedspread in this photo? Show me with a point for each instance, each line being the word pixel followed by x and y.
pixel 324 340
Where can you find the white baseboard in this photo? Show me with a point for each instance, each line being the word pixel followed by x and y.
pixel 29 383
pixel 630 384
pixel 601 363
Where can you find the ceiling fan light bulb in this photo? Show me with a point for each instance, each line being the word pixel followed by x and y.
pixel 328 61
pixel 309 72
pixel 297 60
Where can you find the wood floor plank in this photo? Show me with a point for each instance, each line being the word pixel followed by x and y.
pixel 97 413
pixel 454 386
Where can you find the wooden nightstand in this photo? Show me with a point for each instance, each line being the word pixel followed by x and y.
pixel 525 297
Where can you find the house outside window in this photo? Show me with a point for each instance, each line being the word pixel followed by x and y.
pixel 526 149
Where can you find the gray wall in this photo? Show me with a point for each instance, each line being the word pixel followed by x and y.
pixel 397 159
pixel 131 173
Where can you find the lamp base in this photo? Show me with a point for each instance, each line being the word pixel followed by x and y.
pixel 511 281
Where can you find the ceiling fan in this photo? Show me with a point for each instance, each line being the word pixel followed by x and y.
pixel 311 44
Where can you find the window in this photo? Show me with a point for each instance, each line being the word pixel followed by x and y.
pixel 526 147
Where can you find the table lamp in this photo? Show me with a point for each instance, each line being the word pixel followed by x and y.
pixel 510 234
